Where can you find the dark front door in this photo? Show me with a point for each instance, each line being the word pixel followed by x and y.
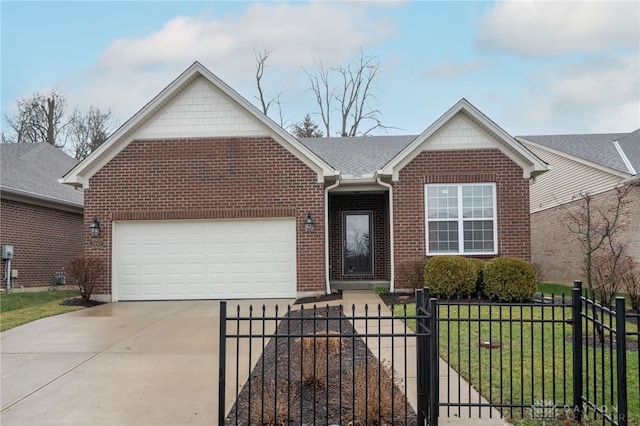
pixel 357 243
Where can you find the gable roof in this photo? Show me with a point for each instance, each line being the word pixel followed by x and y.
pixel 530 163
pixel 616 151
pixel 358 157
pixel 80 175
pixel 29 172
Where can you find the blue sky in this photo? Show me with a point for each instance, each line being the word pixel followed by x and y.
pixel 532 67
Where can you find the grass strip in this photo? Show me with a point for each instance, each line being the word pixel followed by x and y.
pixel 20 308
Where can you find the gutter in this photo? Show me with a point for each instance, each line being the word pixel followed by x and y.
pixel 326 232
pixel 40 200
pixel 391 238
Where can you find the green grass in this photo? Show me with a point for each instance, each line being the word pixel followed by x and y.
pixel 20 308
pixel 529 364
pixel 549 289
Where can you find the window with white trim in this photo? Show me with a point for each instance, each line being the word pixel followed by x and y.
pixel 461 218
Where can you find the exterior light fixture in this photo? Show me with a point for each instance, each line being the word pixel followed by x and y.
pixel 308 223
pixel 95 227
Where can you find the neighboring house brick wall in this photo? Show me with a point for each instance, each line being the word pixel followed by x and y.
pixel 213 178
pixel 43 239
pixel 468 166
pixel 558 253
pixel 375 203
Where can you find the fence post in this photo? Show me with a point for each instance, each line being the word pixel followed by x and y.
pixel 434 362
pixel 621 361
pixel 421 356
pixel 576 294
pixel 222 362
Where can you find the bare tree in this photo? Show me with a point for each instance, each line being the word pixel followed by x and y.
pixel 265 104
pixel 597 225
pixel 353 94
pixel 39 118
pixel 319 80
pixel 307 128
pixel 89 130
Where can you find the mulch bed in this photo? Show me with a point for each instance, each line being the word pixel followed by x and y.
pixel 279 373
pixel 79 301
pixel 318 300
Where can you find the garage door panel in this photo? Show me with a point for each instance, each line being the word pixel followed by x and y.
pixel 156 260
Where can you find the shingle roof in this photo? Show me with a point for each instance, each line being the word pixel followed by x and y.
pixel 597 148
pixel 630 144
pixel 357 156
pixel 33 169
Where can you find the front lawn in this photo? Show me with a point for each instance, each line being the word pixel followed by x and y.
pixel 533 361
pixel 20 308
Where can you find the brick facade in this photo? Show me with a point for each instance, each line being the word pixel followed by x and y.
pixel 43 239
pixel 375 203
pixel 471 166
pixel 557 252
pixel 211 178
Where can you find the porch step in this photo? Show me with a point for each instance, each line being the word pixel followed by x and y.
pixel 359 285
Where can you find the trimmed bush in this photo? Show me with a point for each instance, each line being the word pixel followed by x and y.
pixel 478 264
pixel 509 278
pixel 450 275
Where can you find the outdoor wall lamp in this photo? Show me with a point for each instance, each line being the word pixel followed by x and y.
pixel 95 227
pixel 308 223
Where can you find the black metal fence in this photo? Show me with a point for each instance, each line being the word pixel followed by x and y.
pixel 600 346
pixel 319 366
pixel 554 358
pixel 512 357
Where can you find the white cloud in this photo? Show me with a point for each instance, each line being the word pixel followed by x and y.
pixel 133 70
pixel 539 28
pixel 600 94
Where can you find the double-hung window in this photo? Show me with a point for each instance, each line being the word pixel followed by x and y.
pixel 461 218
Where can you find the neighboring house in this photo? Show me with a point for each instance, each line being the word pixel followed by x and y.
pixel 200 195
pixel 593 164
pixel 41 218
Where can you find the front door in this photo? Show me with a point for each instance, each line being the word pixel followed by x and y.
pixel 357 243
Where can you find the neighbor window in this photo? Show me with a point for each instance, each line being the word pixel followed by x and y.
pixel 461 219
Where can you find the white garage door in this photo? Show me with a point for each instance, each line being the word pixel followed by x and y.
pixel 213 259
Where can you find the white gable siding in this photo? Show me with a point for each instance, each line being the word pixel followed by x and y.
pixel 461 133
pixel 200 111
pixel 566 179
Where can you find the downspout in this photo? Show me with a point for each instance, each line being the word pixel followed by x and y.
pixel 326 232
pixel 391 240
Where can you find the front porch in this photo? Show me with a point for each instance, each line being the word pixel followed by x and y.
pixel 359 240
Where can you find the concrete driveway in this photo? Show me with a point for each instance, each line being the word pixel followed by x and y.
pixel 127 363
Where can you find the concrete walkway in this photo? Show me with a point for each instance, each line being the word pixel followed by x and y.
pixel 126 363
pixel 384 348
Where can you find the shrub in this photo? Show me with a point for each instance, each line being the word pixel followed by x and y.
pixel 478 264
pixel 85 272
pixel 450 275
pixel 509 278
pixel 631 283
pixel 607 274
pixel 410 274
pixel 373 389
pixel 314 351
pixel 269 402
pixel 380 290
